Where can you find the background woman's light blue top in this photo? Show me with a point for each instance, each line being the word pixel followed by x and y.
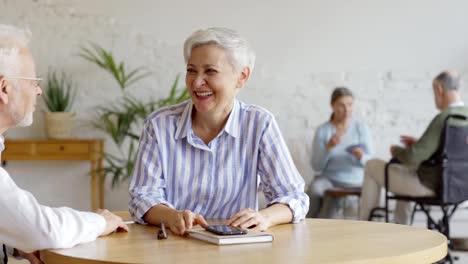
pixel 339 164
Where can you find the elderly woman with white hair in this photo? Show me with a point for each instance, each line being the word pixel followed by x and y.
pixel 205 158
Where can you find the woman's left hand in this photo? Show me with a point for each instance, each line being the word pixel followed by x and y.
pixel 358 153
pixel 249 218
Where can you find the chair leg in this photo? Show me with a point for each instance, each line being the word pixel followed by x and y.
pixel 375 213
pixel 387 186
pixel 359 207
pixel 344 207
pixel 415 208
pixel 444 225
pixel 448 259
pixel 386 210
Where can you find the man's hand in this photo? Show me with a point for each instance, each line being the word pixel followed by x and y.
pixel 358 153
pixel 33 257
pixel 249 218
pixel 184 220
pixel 407 140
pixel 113 222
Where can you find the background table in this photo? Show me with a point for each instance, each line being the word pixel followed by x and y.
pixel 47 149
pixel 311 241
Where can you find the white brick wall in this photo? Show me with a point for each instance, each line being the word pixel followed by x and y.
pixel 385 51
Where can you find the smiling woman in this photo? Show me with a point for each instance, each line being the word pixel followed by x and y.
pixel 213 84
pixel 200 159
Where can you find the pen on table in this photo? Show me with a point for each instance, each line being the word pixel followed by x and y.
pixel 162 234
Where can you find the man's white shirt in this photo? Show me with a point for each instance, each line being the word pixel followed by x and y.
pixel 27 225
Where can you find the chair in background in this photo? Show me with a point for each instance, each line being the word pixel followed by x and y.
pixel 451 158
pixel 343 193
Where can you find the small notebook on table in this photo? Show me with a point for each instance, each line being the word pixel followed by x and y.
pixel 250 237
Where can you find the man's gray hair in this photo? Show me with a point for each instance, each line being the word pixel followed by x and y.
pixel 238 50
pixel 13 40
pixel 448 80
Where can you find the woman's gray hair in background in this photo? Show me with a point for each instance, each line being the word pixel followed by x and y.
pixel 340 92
pixel 238 50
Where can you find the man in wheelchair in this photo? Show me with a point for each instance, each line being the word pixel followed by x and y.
pixel 414 176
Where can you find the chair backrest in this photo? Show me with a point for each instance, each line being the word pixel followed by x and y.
pixel 454 158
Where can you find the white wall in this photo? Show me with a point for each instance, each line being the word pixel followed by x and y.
pixel 385 51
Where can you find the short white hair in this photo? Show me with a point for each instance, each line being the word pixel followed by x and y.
pixel 13 42
pixel 238 50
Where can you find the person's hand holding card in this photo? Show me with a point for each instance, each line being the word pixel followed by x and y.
pixel 357 150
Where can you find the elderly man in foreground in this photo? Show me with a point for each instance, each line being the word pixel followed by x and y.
pixel 26 225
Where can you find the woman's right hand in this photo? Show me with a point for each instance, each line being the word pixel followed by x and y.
pixel 181 221
pixel 177 221
pixel 334 140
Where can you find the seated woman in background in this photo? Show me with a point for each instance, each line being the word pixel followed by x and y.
pixel 341 148
pixel 206 157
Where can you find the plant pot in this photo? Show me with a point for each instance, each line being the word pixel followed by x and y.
pixel 58 124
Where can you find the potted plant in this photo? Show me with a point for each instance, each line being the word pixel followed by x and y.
pixel 59 94
pixel 121 120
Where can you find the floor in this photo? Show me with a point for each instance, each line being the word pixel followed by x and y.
pixel 459 228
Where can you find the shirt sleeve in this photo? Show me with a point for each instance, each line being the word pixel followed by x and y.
pixel 147 184
pixel 9 252
pixel 320 153
pixel 366 141
pixel 281 181
pixel 424 147
pixel 30 226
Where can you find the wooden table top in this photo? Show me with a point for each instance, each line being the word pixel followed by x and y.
pixel 311 241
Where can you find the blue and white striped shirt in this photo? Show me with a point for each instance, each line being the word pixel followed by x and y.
pixel 176 168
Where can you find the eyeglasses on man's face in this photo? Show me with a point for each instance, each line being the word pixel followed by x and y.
pixel 35 81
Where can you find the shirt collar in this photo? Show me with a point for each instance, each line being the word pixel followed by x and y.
pixel 2 143
pixel 231 127
pixel 232 124
pixel 455 104
pixel 185 122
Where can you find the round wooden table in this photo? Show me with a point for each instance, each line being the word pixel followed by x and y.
pixel 311 241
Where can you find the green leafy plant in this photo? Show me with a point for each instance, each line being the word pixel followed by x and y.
pixel 59 92
pixel 104 59
pixel 122 120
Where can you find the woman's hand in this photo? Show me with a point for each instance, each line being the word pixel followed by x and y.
pixel 178 221
pixel 249 218
pixel 358 153
pixel 334 140
pixel 181 221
